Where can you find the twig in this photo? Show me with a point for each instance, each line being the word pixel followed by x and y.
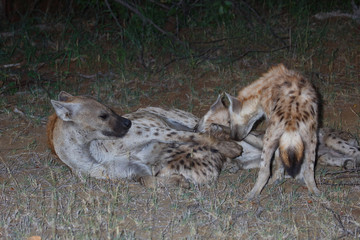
pixel 145 19
pixel 355 15
pixel 217 40
pixel 114 17
pixel 41 27
pixel 348 176
pixel 337 217
pixel 261 19
pixel 344 171
pixel 23 115
pixel 160 4
pixel 340 184
pixel 259 51
pixel 355 112
pixel 87 76
pixel 11 65
pixel 187 57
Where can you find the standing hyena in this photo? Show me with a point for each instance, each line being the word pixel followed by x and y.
pixel 335 148
pixel 289 102
pixel 93 140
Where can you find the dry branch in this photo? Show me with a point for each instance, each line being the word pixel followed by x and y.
pixel 147 20
pixel 355 15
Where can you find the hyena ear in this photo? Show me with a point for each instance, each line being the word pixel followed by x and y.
pixel 219 104
pixel 64 110
pixel 64 96
pixel 235 104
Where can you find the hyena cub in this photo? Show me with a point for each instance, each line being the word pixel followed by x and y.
pixel 289 102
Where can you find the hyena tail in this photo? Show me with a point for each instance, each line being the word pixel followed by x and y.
pixel 291 148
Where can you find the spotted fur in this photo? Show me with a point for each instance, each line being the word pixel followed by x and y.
pixel 93 140
pixel 289 103
pixel 335 148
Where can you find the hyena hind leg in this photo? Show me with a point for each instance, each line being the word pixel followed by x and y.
pixel 308 166
pixel 270 144
pixel 335 159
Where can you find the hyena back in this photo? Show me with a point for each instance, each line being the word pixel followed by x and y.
pixel 289 102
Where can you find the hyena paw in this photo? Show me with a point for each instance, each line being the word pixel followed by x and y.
pixel 316 192
pixel 352 163
pixel 251 195
pixel 220 132
pixel 178 181
pixel 232 166
pixel 229 149
pixel 148 181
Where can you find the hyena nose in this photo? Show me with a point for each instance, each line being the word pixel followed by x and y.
pixel 236 136
pixel 126 123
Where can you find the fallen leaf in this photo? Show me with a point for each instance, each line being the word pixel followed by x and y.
pixel 34 238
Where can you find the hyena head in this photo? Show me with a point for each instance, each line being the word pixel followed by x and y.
pixel 93 119
pixel 218 114
pixel 242 116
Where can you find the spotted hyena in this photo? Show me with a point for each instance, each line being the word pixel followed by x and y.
pixel 335 148
pixel 289 103
pixel 93 140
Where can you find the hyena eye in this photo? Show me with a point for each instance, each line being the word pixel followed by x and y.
pixel 104 116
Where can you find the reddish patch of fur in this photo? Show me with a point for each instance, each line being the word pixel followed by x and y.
pixel 50 131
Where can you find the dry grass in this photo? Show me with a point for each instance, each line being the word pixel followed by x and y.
pixel 42 197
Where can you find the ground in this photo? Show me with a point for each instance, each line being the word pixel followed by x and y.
pixel 39 196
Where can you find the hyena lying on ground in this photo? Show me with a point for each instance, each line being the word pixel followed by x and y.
pixel 289 102
pixel 335 148
pixel 93 140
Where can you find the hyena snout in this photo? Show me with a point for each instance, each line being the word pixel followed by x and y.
pixel 119 126
pixel 238 133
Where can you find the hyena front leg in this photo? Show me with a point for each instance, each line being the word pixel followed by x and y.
pixel 308 168
pixel 271 139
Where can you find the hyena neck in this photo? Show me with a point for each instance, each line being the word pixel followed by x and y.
pixel 255 117
pixel 254 91
pixel 77 145
pixel 79 136
pixel 252 107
